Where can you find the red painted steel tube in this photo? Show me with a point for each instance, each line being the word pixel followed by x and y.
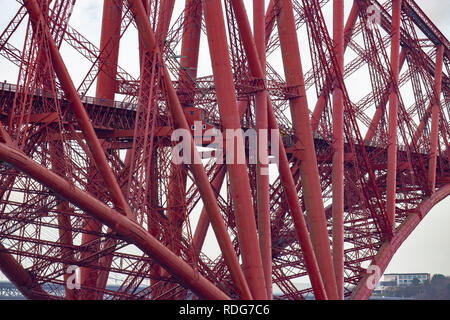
pixel 203 221
pixel 283 163
pixel 388 249
pixel 189 60
pixel 106 89
pixel 81 114
pixel 104 263
pixel 240 185
pixel 109 46
pixel 262 167
pixel 126 228
pixel 435 119
pixel 295 209
pixel 20 277
pixel 421 125
pixel 350 24
pixel 391 182
pixel 164 16
pixel 208 198
pixel 89 239
pixel 197 168
pixel 338 152
pixel 380 109
pixel 177 180
pixel 63 218
pixel 153 228
pixel 270 23
pixel 305 151
pixel 348 29
pixel 190 43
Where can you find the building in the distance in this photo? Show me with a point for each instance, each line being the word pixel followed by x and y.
pixel 405 279
pixel 392 280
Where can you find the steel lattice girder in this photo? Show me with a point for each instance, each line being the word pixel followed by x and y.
pixel 89 182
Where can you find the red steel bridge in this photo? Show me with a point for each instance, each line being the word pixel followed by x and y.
pixel 360 95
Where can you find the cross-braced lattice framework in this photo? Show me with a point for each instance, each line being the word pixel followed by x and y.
pixel 89 182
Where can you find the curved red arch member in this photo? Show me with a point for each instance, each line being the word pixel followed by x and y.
pixel 124 226
pixel 20 277
pixel 388 249
pixel 54 156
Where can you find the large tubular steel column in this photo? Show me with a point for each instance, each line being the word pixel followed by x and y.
pixel 309 256
pixel 80 113
pixel 126 228
pixel 286 178
pixel 190 43
pixel 63 218
pixel 176 197
pixel 198 171
pixel 177 178
pixel 382 106
pixel 106 89
pixel 20 277
pixel 189 60
pixel 203 221
pixel 338 151
pixel 164 16
pixel 262 167
pixel 109 47
pixel 321 101
pixel 422 124
pixel 305 151
pixel 91 242
pixel 154 228
pixel 391 182
pixel 240 185
pixel 155 271
pixel 435 118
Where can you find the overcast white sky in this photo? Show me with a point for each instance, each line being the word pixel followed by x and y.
pixel 427 249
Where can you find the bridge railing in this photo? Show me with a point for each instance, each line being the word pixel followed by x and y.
pixel 9 87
